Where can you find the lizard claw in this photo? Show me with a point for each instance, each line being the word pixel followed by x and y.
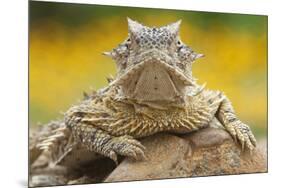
pixel 127 146
pixel 241 132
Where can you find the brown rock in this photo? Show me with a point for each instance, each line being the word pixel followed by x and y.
pixel 163 152
pixel 207 152
pixel 81 180
pixel 92 172
pixel 46 180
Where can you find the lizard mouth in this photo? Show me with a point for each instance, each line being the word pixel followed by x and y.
pixel 154 80
pixel 160 59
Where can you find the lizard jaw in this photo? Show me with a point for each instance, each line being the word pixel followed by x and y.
pixel 155 83
pixel 160 59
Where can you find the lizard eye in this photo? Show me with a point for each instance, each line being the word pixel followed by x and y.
pixel 181 48
pixel 186 54
pixel 127 43
pixel 122 49
pixel 184 50
pixel 179 44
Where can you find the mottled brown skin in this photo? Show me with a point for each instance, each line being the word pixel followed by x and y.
pixel 154 91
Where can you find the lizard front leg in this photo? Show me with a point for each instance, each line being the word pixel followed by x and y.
pixel 100 141
pixel 226 115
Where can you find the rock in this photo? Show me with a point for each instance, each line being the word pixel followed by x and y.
pixel 93 172
pixel 211 151
pixel 46 180
pixel 50 176
pixel 81 180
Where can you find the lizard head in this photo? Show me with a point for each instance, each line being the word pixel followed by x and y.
pixel 154 65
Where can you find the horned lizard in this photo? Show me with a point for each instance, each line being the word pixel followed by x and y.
pixel 153 91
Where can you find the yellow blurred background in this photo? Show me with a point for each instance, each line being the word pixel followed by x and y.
pixel 66 42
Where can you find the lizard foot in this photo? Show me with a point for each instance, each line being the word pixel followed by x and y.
pixel 126 146
pixel 241 132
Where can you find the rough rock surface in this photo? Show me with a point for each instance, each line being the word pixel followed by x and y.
pixel 93 172
pixel 210 151
pixel 207 152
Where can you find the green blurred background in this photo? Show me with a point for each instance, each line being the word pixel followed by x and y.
pixel 66 42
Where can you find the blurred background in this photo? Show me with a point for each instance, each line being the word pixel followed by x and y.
pixel 66 42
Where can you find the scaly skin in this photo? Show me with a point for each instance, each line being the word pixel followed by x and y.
pixel 111 129
pixel 154 91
